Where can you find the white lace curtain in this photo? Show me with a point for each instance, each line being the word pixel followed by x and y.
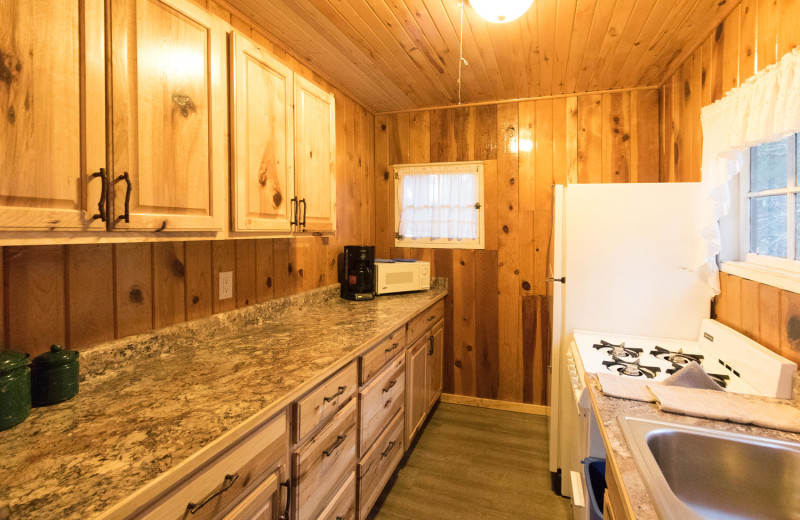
pixel 764 108
pixel 438 201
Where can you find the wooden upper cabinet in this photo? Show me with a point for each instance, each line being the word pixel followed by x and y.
pixel 169 117
pixel 263 156
pixel 52 125
pixel 315 156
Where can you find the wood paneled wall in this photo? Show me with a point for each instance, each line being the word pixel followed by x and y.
pixel 754 36
pixel 80 295
pixel 762 312
pixel 498 334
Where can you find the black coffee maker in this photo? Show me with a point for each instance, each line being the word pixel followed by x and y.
pixel 357 273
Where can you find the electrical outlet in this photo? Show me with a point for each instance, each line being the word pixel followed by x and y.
pixel 226 285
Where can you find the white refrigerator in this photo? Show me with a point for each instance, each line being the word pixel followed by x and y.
pixel 623 261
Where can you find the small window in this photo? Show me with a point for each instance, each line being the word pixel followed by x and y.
pixel 771 205
pixel 439 205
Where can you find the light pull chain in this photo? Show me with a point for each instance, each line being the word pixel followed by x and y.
pixel 461 52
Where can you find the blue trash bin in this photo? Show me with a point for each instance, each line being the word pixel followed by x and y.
pixel 594 471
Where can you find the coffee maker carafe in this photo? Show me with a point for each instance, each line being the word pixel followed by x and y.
pixel 357 275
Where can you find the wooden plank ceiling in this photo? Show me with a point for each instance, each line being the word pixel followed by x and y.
pixel 403 54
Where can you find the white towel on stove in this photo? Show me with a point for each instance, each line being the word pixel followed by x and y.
pixel 726 406
pixel 615 385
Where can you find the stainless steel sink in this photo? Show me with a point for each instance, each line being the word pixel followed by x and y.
pixel 700 473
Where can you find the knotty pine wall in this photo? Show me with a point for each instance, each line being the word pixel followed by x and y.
pixel 80 295
pixel 498 335
pixel 755 35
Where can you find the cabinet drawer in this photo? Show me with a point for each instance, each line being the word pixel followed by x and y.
pixel 323 462
pixel 373 361
pixel 259 504
pixel 424 320
pixel 376 468
pixel 325 400
pixel 343 504
pixel 380 401
pixel 244 463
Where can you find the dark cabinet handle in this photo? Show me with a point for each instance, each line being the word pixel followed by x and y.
pixel 391 384
pixel 101 206
pixel 394 346
pixel 340 517
pixel 387 450
pixel 339 392
pixel 339 440
pixel 293 209
pixel 127 178
pixel 287 485
pixel 430 350
pixel 303 222
pixel 192 508
pixel 432 318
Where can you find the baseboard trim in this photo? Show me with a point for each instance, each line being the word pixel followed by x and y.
pixel 508 406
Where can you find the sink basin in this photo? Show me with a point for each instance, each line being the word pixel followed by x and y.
pixel 696 473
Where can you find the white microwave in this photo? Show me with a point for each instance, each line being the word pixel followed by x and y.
pixel 395 277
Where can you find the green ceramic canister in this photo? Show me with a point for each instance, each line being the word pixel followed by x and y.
pixel 15 388
pixel 54 376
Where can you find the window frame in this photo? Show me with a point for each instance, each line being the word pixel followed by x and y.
pixel 790 263
pixel 441 243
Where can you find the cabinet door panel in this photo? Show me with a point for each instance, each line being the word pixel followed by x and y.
pixel 435 359
pixel 169 111
pixel 315 147
pixel 52 123
pixel 263 159
pixel 416 388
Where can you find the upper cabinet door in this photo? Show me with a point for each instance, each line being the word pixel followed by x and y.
pixel 263 156
pixel 169 117
pixel 315 156
pixel 52 114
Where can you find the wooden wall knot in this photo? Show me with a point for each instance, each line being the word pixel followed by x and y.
pixel 10 67
pixel 185 104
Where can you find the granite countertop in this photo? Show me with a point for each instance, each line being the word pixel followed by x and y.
pixel 148 402
pixel 609 409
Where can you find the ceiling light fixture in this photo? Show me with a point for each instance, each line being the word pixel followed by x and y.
pixel 500 11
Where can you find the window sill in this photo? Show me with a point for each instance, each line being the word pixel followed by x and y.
pixel 786 280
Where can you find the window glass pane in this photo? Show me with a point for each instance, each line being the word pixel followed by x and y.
pixel 768 221
pixel 768 166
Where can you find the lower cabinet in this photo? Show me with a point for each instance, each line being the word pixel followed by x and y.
pixel 242 482
pixel 378 464
pixel 416 387
pixel 343 504
pixel 324 461
pixel 433 366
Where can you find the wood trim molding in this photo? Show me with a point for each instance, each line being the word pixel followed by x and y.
pixel 508 406
pixel 520 100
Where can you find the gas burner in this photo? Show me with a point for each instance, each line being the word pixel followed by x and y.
pixel 720 379
pixel 631 368
pixel 676 358
pixel 618 351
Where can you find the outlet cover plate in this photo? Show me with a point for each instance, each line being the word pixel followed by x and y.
pixel 225 285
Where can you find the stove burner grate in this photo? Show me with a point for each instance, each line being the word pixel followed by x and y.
pixel 676 358
pixel 618 351
pixel 631 368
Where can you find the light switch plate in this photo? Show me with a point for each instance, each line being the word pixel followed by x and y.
pixel 225 285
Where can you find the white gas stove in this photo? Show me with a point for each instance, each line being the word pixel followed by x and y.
pixel 735 362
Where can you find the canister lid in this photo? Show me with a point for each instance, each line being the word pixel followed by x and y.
pixel 11 359
pixel 56 357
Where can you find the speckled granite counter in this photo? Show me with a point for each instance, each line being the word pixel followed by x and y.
pixel 148 402
pixel 609 409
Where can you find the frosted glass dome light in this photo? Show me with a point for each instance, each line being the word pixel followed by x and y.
pixel 500 11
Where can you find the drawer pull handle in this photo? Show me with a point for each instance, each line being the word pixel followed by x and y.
pixel 339 440
pixel 433 317
pixel 339 392
pixel 394 346
pixel 287 485
pixel 387 450
pixel 391 384
pixel 226 485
